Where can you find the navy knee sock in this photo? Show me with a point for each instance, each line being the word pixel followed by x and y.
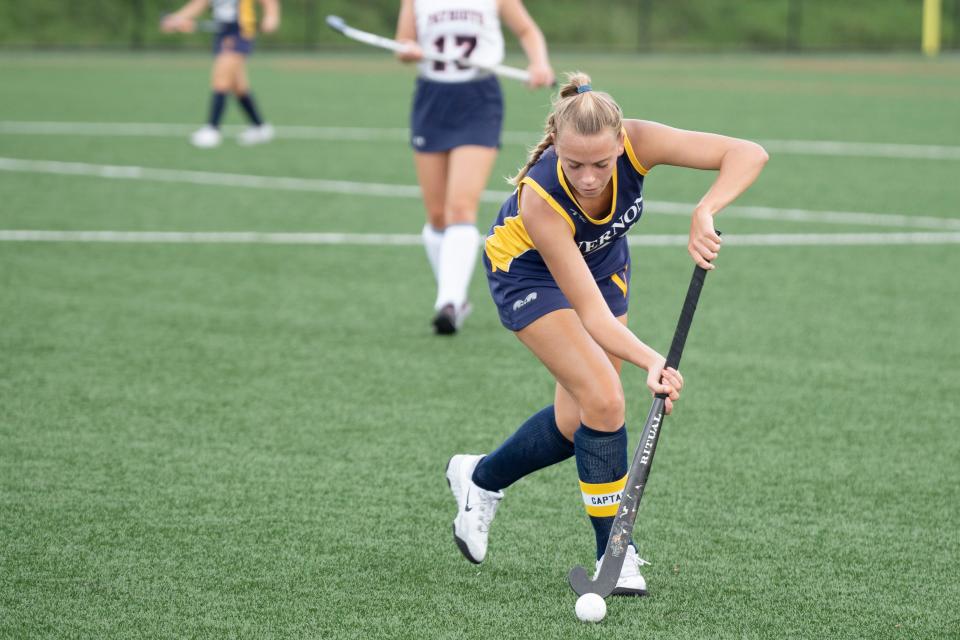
pixel 217 104
pixel 249 108
pixel 602 467
pixel 538 443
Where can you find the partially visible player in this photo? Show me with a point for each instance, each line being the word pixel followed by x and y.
pixel 236 30
pixel 559 271
pixel 455 127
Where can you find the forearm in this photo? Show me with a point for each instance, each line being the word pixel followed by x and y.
pixel 534 45
pixel 739 168
pixel 406 23
pixel 616 339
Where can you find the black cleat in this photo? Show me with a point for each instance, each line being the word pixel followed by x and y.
pixel 449 319
pixel 445 322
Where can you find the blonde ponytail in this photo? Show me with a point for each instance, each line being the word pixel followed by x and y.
pixel 576 105
pixel 548 131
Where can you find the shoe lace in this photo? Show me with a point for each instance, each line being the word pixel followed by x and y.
pixel 632 563
pixel 486 508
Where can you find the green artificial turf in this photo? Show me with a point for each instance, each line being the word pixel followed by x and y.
pixel 201 440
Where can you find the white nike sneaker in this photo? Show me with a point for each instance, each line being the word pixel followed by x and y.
pixel 475 508
pixel 630 583
pixel 206 137
pixel 256 135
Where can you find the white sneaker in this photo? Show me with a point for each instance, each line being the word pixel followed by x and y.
pixel 206 137
pixel 630 583
pixel 256 135
pixel 475 508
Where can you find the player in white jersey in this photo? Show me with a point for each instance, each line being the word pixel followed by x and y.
pixel 236 29
pixel 456 122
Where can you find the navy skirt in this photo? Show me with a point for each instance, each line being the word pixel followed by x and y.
pixel 231 38
pixel 446 115
pixel 521 300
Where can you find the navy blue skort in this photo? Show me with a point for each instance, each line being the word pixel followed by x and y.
pixel 447 115
pixel 521 300
pixel 230 38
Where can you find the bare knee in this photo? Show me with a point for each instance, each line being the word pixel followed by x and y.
pixel 437 219
pixel 462 218
pixel 461 212
pixel 603 408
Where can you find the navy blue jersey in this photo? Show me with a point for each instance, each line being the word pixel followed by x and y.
pixel 602 242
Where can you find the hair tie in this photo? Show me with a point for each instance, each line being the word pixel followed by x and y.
pixel 584 88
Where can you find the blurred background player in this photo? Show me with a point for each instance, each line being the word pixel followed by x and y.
pixel 558 266
pixel 236 29
pixel 455 127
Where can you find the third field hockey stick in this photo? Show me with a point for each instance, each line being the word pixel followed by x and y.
pixel 616 550
pixel 338 24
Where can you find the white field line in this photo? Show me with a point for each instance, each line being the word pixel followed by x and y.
pixel 386 239
pixel 128 172
pixel 862 149
pixel 374 134
pixel 212 237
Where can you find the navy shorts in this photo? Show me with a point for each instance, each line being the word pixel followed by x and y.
pixel 229 38
pixel 521 300
pixel 446 115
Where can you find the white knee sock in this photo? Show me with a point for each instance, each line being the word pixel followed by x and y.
pixel 458 257
pixel 431 242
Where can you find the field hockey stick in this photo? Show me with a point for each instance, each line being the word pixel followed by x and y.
pixel 338 24
pixel 204 26
pixel 622 528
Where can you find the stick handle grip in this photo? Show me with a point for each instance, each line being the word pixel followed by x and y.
pixel 686 318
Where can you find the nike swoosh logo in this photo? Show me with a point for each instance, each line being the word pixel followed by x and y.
pixel 467 507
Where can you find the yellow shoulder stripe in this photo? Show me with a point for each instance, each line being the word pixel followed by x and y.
pixel 507 242
pixel 550 200
pixel 630 154
pixel 247 17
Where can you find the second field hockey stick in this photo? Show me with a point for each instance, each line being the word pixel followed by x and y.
pixel 203 26
pixel 609 573
pixel 338 24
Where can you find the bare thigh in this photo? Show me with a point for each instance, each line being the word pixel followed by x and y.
pixel 241 83
pixel 226 66
pixel 565 405
pixel 588 379
pixel 469 170
pixel 432 176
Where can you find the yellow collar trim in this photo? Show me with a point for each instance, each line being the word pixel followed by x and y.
pixel 613 199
